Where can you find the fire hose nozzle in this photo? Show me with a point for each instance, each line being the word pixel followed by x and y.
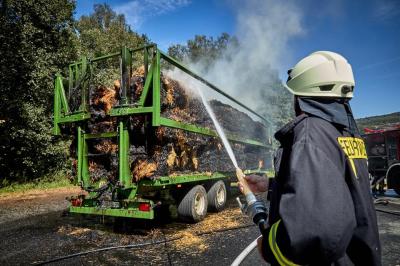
pixel 250 198
pixel 254 208
pixel 257 211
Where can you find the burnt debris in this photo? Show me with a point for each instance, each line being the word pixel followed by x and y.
pixel 162 151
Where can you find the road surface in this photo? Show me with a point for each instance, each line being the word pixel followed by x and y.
pixel 35 227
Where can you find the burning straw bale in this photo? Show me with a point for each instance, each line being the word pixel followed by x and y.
pixel 166 151
pixel 97 171
pixel 103 160
pixel 143 168
pixel 106 146
pixel 102 99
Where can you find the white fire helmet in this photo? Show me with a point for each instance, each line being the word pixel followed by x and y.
pixel 321 74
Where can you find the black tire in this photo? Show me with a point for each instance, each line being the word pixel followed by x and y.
pixel 193 206
pixel 216 196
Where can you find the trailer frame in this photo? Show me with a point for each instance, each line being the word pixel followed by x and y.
pixel 130 205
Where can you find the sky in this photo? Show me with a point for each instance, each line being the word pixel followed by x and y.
pixel 365 32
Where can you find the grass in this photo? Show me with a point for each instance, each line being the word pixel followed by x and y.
pixel 56 180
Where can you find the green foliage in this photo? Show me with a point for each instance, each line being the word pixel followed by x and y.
pixel 373 122
pixel 36 41
pixel 104 32
pixel 53 180
pixel 203 49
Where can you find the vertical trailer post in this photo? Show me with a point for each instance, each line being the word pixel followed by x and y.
pixel 126 59
pixel 146 61
pixel 84 85
pixel 83 167
pixel 123 152
pixel 70 80
pixel 156 90
pixel 79 166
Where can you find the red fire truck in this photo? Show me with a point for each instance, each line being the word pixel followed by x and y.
pixel 383 149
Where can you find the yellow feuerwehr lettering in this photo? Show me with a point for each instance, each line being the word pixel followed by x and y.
pixel 354 148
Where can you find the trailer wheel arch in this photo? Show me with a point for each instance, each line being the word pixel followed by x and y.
pixel 393 177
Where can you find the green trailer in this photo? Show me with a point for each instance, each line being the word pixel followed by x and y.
pixel 191 194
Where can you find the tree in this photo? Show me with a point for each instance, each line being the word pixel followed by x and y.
pixel 104 32
pixel 36 41
pixel 202 49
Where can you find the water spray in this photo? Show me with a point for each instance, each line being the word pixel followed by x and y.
pixel 253 207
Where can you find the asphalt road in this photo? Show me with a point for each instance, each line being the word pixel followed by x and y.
pixel 34 229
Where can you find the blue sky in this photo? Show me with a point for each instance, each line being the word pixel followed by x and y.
pixel 366 32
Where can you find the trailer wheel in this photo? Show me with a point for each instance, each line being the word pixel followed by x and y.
pixel 193 206
pixel 216 196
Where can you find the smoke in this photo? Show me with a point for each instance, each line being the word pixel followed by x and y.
pixel 249 71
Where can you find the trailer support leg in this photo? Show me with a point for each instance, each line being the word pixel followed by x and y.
pixel 83 167
pixel 124 172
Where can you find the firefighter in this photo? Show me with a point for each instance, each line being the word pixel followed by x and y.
pixel 321 210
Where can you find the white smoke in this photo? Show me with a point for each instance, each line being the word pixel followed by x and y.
pixel 247 72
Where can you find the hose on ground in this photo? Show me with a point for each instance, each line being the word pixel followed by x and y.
pixel 239 259
pixel 384 201
pixel 107 249
pixel 138 245
pixel 381 201
pixel 388 212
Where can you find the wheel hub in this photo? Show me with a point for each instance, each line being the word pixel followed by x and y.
pixel 220 196
pixel 199 204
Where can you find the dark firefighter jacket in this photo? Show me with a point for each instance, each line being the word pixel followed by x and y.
pixel 321 209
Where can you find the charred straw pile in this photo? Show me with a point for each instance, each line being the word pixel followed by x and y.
pixel 164 151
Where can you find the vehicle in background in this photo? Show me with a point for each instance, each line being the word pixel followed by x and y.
pixel 383 149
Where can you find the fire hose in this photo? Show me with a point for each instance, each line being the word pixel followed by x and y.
pixel 138 245
pixel 239 259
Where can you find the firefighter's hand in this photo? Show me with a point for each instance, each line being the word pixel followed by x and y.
pixel 257 184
